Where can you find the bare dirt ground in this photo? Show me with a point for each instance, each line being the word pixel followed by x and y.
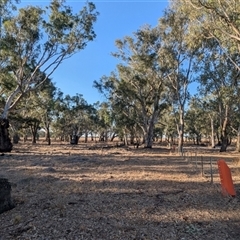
pixel 92 192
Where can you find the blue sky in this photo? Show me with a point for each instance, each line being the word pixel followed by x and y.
pixel 116 20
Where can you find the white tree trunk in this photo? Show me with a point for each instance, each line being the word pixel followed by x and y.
pixel 238 139
pixel 181 131
pixel 212 133
pixel 10 102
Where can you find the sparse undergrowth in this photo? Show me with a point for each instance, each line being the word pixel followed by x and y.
pixel 81 192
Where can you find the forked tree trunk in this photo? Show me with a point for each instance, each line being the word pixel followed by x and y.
pixel 5 141
pixel 148 135
pixel 113 136
pixel 34 128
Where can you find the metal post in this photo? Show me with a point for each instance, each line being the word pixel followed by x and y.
pixel 202 165
pixel 196 160
pixel 211 170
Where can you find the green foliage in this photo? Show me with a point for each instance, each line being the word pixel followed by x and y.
pixel 74 116
pixel 216 19
pixel 35 41
pixel 135 91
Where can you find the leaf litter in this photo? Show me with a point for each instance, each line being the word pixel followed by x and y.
pixel 83 192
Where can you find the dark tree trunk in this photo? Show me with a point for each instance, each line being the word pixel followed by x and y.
pixel 132 138
pixel 5 141
pixel 48 137
pixel 16 138
pixel 101 137
pixel 6 202
pixel 125 140
pixel 224 133
pixel 224 144
pixel 74 139
pixel 148 137
pixel 113 136
pixel 34 128
pixel 86 137
pixel 198 138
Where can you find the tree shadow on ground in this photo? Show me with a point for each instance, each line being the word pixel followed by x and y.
pixel 95 196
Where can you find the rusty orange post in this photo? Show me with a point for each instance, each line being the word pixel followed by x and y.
pixel 226 179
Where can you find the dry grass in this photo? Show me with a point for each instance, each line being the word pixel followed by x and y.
pixel 87 192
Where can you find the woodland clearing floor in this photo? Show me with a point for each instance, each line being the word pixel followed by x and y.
pixel 90 191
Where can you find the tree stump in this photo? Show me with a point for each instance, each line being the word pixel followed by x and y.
pixel 5 141
pixel 6 202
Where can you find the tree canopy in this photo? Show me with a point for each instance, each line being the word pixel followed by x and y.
pixel 148 94
pixel 34 43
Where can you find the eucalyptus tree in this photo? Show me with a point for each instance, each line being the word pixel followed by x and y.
pixel 27 114
pixel 36 51
pixel 219 78
pixel 36 110
pixel 207 108
pixel 180 57
pixel 88 118
pixel 70 114
pixel 126 118
pixel 74 117
pixel 6 6
pixel 217 19
pixel 105 121
pixel 142 79
pixel 170 130
pixel 124 106
pixel 199 122
pixel 35 41
pixel 217 23
pixel 138 83
pixel 46 97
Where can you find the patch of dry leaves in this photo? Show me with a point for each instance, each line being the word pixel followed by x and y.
pixel 85 192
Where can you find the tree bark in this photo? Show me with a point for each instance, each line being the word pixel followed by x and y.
pixel 34 127
pixel 16 138
pixel 6 202
pixel 48 137
pixel 224 144
pixel 212 132
pixel 238 139
pixel 74 139
pixel 224 133
pixel 10 103
pixel 181 130
pixel 5 141
pixel 86 137
pixel 148 135
pixel 125 140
